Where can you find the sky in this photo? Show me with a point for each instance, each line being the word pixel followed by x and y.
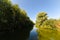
pixel 33 7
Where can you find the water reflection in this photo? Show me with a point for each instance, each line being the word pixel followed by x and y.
pixel 33 34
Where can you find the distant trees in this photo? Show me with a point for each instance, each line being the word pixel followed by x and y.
pixel 47 29
pixel 41 18
pixel 14 22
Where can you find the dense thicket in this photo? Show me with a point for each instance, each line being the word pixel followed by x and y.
pixel 14 22
pixel 47 28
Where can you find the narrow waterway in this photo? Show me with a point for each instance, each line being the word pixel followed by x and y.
pixel 33 34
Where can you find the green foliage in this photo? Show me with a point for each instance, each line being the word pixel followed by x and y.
pixel 47 34
pixel 41 18
pixel 47 29
pixel 14 22
pixel 50 23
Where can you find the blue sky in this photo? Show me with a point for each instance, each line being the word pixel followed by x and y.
pixel 32 7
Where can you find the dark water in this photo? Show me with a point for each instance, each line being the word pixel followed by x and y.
pixel 33 35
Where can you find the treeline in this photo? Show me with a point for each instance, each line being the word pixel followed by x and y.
pixel 48 29
pixel 16 25
pixel 14 22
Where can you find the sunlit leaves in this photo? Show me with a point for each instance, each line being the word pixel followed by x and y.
pixel 47 28
pixel 41 17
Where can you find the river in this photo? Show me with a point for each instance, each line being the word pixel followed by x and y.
pixel 33 34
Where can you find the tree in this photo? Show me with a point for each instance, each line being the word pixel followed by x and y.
pixel 14 22
pixel 46 28
pixel 41 18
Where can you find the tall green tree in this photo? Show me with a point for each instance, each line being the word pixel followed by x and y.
pixel 14 22
pixel 41 18
pixel 46 28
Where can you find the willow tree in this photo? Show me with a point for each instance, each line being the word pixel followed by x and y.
pixel 14 22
